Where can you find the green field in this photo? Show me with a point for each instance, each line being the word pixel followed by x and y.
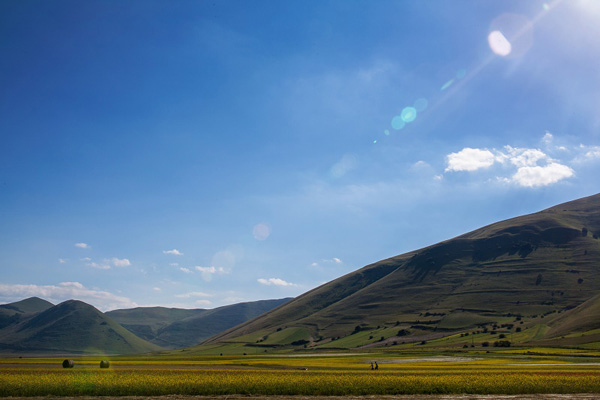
pixel 508 371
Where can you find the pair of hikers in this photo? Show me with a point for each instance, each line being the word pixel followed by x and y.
pixel 373 367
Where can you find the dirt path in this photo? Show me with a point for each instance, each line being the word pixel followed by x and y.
pixel 411 397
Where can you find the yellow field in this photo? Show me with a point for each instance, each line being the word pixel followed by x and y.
pixel 337 375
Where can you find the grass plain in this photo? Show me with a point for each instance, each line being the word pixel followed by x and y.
pixel 509 371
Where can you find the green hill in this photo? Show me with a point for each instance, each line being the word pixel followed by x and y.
pixel 72 327
pixel 176 328
pixel 30 305
pixel 513 272
pixel 13 312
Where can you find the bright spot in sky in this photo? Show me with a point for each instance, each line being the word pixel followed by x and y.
pixel 409 114
pixel 387 132
pixel 461 73
pixel 398 122
pixel 499 43
pixel 421 104
pixel 546 6
pixel 447 85
pixel 261 232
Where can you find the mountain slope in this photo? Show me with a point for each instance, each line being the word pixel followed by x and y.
pixel 30 305
pixel 176 328
pixel 530 265
pixel 13 312
pixel 71 327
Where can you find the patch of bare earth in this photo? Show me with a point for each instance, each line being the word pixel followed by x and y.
pixel 586 396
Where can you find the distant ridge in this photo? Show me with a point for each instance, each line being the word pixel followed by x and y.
pixel 533 265
pixel 72 327
pixel 176 328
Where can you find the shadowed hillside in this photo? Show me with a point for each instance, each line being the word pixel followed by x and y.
pixel 71 327
pixel 529 266
pixel 176 328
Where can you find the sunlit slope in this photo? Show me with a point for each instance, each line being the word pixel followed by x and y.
pixel 529 265
pixel 71 327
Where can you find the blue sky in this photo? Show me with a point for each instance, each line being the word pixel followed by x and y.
pixel 198 153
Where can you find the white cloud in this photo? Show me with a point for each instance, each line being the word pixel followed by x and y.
pixel 469 159
pixel 186 270
pixel 174 252
pixel 99 266
pixel 346 164
pixel 65 291
pixel 275 282
pixel 83 245
pixel 157 289
pixel 533 167
pixel 203 302
pixel 124 262
pixel 337 260
pixel 208 272
pixel 523 157
pixel 62 260
pixel 86 259
pixel 211 270
pixel 193 294
pixel 174 264
pixel 542 176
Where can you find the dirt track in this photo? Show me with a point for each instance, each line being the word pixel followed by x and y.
pixel 411 397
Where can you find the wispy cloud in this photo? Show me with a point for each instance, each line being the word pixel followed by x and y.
pixel 186 270
pixel 208 272
pixel 65 291
pixel 62 261
pixel 98 266
pixel 174 252
pixel 274 282
pixel 123 262
pixel 190 295
pixel 83 245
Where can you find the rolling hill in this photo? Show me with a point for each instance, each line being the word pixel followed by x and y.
pixel 175 328
pixel 519 273
pixel 14 312
pixel 72 327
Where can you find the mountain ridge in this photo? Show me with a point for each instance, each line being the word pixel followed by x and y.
pixel 533 264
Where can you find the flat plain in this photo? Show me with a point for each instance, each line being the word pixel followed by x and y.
pixel 537 373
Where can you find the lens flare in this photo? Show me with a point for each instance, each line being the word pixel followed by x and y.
pixel 409 114
pixel 447 85
pixel 397 122
pixel 461 73
pixel 421 104
pixel 499 43
pixel 261 231
pixel 386 132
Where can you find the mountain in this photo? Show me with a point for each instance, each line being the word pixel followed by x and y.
pixel 30 305
pixel 517 273
pixel 14 312
pixel 72 327
pixel 175 328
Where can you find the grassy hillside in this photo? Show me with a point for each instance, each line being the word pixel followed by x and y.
pixel 13 312
pixel 526 268
pixel 71 327
pixel 30 305
pixel 147 322
pixel 176 328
